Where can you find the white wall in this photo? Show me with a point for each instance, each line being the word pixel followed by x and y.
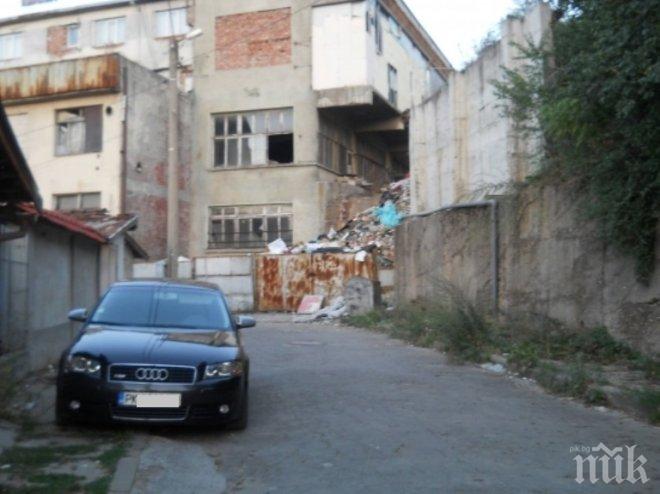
pixel 34 126
pixel 339 46
pixel 344 54
pixel 462 147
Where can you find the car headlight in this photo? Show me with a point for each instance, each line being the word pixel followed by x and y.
pixel 224 369
pixel 83 365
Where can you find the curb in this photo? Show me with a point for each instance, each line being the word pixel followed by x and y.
pixel 127 468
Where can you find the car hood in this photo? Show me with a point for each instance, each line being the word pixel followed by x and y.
pixel 153 346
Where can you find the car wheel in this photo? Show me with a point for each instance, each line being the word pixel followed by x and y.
pixel 241 422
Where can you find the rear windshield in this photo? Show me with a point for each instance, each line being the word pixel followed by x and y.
pixel 163 307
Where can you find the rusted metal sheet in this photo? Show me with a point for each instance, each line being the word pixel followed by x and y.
pixel 282 281
pixel 67 77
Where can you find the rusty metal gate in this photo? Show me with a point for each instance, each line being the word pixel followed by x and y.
pixel 283 280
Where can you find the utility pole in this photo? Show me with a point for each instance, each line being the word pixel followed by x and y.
pixel 173 164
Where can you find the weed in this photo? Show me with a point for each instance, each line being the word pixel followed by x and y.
pixel 31 458
pixel 99 486
pixel 111 457
pixel 649 401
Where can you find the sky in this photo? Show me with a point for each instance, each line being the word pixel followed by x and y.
pixel 457 26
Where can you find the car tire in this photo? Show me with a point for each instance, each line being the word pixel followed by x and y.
pixel 241 422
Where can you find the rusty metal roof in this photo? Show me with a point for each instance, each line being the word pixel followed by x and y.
pixel 95 224
pixel 103 222
pixel 62 78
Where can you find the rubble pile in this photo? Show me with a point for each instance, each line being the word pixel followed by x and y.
pixel 371 231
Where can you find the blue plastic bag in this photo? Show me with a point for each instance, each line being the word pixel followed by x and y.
pixel 388 216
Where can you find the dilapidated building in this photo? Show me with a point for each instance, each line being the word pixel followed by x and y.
pixel 301 107
pixel 91 116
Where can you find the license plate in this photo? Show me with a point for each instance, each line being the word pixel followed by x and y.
pixel 149 400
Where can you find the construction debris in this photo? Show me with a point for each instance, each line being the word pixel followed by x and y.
pixel 370 232
pixel 335 310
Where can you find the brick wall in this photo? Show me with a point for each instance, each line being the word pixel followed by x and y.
pixel 253 39
pixel 56 41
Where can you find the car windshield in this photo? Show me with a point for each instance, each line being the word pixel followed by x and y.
pixel 163 307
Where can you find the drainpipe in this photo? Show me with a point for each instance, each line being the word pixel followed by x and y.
pixel 494 240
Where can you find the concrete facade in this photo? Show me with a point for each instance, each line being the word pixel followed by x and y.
pixel 261 55
pixel 550 264
pixel 462 147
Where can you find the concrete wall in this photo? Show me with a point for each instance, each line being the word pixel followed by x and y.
pixel 146 158
pixel 461 146
pixel 233 274
pixel 141 45
pixel 34 126
pixel 551 264
pixel 44 275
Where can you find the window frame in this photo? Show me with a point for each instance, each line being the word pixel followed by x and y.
pixel 88 147
pixel 79 200
pixel 110 42
pixel 168 34
pixel 17 45
pixel 392 85
pixel 252 212
pixel 69 27
pixel 260 122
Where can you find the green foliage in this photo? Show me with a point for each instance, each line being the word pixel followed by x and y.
pixel 449 322
pixel 593 97
pixel 649 401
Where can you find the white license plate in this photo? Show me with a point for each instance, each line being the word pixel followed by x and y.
pixel 149 400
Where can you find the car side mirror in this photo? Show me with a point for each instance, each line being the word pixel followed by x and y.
pixel 245 322
pixel 79 315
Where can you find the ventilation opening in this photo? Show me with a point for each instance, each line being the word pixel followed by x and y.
pixel 280 148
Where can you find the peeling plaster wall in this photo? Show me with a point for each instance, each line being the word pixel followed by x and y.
pixel 551 264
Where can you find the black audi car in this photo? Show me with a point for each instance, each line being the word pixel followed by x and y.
pixel 156 351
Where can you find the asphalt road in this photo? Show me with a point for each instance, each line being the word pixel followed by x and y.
pixel 343 410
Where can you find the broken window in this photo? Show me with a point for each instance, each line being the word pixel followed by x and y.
pixel 109 31
pixel 79 130
pixel 10 46
pixel 173 22
pixel 70 202
pixel 393 84
pixel 249 227
pixel 253 138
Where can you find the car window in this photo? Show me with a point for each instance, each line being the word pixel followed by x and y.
pixel 169 307
pixel 126 306
pixel 189 308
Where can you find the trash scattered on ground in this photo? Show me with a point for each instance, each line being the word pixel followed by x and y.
pixel 310 304
pixel 496 368
pixel 333 311
pixel 277 246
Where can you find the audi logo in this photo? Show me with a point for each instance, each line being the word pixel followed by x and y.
pixel 147 374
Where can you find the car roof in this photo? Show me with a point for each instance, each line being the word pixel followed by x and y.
pixel 169 282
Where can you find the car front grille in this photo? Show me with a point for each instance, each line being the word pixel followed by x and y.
pixel 152 374
pixel 130 413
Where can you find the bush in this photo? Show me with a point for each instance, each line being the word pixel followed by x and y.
pixel 592 99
